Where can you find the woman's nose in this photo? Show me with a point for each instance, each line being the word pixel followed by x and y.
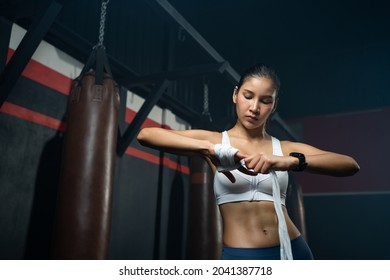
pixel 255 107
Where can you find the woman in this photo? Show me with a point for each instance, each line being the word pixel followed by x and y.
pixel 250 168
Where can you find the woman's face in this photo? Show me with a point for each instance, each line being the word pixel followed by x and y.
pixel 255 101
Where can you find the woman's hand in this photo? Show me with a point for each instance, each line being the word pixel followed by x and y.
pixel 211 156
pixel 263 163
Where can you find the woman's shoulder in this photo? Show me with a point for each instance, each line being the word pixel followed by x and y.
pixel 291 146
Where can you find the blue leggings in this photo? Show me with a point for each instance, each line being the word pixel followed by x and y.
pixel 299 247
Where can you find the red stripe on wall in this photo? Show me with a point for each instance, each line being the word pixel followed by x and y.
pixel 155 159
pixel 44 75
pixel 32 116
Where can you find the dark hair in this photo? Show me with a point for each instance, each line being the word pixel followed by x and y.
pixel 261 71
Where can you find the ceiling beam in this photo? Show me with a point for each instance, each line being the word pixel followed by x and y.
pixel 182 73
pixel 140 117
pixel 30 42
pixel 232 75
pixel 5 36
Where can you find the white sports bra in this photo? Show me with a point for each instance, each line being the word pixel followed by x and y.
pixel 257 188
pixel 247 187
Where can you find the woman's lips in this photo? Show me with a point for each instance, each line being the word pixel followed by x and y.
pixel 251 118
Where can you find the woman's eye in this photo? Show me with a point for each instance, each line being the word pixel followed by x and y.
pixel 267 101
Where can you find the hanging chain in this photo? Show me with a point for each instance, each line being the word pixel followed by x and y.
pixel 206 111
pixel 102 23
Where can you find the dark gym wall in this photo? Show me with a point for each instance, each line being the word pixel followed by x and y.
pixel 348 226
pixel 347 217
pixel 29 167
pixel 150 206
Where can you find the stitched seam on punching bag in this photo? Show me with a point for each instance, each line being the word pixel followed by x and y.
pixel 98 93
pixel 75 95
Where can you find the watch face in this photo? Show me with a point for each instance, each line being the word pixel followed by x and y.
pixel 297 155
pixel 302 161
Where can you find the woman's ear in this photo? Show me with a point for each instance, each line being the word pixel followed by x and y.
pixel 235 92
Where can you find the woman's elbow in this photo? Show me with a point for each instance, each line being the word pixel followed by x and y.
pixel 142 136
pixel 353 167
pixel 347 167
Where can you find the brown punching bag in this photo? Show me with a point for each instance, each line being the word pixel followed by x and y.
pixel 204 240
pixel 295 206
pixel 85 189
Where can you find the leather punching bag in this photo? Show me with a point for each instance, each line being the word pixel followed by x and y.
pixel 295 206
pixel 204 240
pixel 85 189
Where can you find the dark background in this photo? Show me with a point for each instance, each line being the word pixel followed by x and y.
pixel 333 60
pixel 332 56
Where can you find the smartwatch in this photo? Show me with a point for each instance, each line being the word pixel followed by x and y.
pixel 302 161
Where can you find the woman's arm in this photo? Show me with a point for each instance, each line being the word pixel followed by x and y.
pixel 183 142
pixel 322 162
pixel 318 161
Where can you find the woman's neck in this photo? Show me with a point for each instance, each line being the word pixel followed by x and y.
pixel 239 131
